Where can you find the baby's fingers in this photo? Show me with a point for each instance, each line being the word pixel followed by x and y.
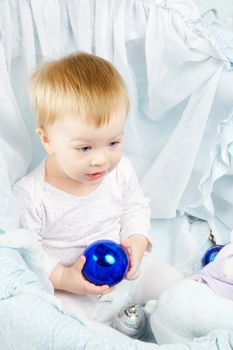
pixel 132 270
pixel 95 290
pixel 79 263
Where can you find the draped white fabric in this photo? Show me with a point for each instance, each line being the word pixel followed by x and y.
pixel 175 59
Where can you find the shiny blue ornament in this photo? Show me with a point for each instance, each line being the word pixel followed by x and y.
pixel 211 254
pixel 106 263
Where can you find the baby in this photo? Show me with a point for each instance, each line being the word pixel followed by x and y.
pixel 86 190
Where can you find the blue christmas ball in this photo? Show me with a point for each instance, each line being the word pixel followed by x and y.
pixel 211 254
pixel 106 263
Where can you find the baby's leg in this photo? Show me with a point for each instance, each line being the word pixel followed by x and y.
pixel 88 310
pixel 153 280
pixel 190 309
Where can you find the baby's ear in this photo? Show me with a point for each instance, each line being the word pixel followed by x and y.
pixel 45 140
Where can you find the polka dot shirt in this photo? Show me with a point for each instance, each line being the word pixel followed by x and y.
pixel 66 224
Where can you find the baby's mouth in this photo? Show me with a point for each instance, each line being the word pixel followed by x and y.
pixel 97 175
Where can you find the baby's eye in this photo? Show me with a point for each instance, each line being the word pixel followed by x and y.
pixel 84 149
pixel 114 144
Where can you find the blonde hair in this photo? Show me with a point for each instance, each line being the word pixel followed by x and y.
pixel 81 84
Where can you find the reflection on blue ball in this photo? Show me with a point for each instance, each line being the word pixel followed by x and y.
pixel 106 263
pixel 211 254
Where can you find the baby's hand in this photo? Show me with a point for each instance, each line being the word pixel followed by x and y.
pixel 71 280
pixel 135 246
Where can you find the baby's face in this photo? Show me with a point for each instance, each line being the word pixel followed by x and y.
pixel 83 152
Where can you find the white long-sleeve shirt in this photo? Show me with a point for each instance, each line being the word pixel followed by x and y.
pixel 66 224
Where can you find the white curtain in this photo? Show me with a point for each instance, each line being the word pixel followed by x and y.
pixel 176 60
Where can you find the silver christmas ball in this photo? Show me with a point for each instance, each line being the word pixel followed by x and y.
pixel 131 320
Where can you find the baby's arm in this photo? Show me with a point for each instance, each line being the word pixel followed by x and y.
pixel 70 279
pixel 135 219
pixel 135 246
pixel 64 278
